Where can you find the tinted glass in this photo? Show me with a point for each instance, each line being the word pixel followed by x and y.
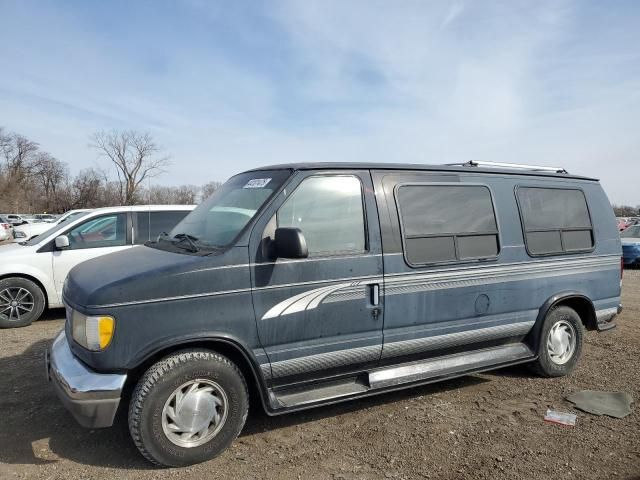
pixel 478 246
pixel 104 231
pixel 220 218
pixel 329 212
pixel 437 221
pixel 549 208
pixel 152 224
pixel 544 242
pixel 577 240
pixel 439 209
pixel 430 249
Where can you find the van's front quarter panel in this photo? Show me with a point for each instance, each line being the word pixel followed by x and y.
pixel 185 299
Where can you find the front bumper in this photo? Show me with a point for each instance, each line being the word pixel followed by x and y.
pixel 91 397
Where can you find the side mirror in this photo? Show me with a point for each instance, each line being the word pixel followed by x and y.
pixel 62 242
pixel 290 243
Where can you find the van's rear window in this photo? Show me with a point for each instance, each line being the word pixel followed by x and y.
pixel 447 223
pixel 555 220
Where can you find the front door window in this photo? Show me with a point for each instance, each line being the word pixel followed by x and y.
pixel 104 231
pixel 329 211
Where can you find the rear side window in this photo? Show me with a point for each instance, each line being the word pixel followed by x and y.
pixel 152 224
pixel 447 223
pixel 555 220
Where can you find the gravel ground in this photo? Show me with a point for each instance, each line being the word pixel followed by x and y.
pixel 480 426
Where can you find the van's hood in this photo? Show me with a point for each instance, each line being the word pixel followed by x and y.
pixel 143 274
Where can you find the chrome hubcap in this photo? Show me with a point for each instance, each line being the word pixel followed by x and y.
pixel 194 413
pixel 561 342
pixel 15 302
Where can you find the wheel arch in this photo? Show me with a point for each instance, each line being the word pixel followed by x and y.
pixel 578 301
pixel 229 347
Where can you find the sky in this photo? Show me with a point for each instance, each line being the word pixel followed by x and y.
pixel 227 86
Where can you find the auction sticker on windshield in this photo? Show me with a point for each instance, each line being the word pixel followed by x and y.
pixel 257 183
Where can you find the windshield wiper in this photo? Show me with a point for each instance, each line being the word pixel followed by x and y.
pixel 189 238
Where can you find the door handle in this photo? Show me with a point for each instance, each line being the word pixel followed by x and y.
pixel 374 294
pixel 374 300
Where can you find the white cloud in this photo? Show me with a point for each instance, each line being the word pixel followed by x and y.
pixel 347 81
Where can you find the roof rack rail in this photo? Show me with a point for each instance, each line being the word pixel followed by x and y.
pixel 534 168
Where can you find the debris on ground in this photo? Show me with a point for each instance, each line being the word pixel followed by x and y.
pixel 613 404
pixel 561 418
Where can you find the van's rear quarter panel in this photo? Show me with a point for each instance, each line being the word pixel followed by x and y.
pixel 441 299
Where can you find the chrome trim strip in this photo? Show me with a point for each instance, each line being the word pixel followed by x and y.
pixel 76 380
pixel 443 365
pixel 169 299
pixel 434 342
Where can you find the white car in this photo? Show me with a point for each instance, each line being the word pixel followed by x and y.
pixel 30 230
pixel 32 273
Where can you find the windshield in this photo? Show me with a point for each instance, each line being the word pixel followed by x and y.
pixel 631 232
pixel 217 221
pixel 56 228
pixel 68 216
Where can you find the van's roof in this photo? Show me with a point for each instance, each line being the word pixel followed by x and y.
pixel 422 167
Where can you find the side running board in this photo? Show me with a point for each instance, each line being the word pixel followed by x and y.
pixel 450 364
pixel 390 378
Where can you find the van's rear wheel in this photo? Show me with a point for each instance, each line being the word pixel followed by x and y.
pixel 188 408
pixel 560 343
pixel 21 302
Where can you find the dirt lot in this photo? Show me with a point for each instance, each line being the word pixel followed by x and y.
pixel 481 426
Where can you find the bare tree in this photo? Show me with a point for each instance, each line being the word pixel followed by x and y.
pixel 18 153
pixel 136 157
pixel 182 195
pixel 626 210
pixel 51 175
pixel 208 189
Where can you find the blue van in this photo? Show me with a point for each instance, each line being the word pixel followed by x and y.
pixel 312 284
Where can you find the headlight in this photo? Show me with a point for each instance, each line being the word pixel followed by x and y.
pixel 93 333
pixel 19 234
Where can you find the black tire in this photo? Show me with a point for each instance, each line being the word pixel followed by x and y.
pixel 545 365
pixel 160 382
pixel 12 317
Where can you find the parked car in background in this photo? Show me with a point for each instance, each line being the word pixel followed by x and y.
pixel 22 219
pixel 6 229
pixel 312 284
pixel 32 273
pixel 31 230
pixel 631 245
pixel 46 217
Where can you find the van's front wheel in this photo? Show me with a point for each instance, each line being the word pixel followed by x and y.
pixel 560 343
pixel 188 408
